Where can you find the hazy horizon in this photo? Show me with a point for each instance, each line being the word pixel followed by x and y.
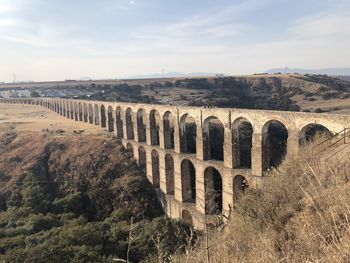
pixel 42 40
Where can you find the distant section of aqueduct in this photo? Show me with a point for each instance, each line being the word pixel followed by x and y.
pixel 199 159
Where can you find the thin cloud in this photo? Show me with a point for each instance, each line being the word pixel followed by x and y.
pixel 221 22
pixel 5 7
pixel 105 42
pixel 6 22
pixel 322 25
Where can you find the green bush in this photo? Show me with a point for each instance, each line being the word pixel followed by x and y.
pixel 36 195
pixel 72 202
pixel 40 222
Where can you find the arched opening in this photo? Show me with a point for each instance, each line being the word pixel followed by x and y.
pixel 67 109
pixel 242 142
pixel 188 134
pixel 76 112
pixel 213 191
pixel 97 115
pixel 80 111
pixel 119 123
pixel 103 116
pixel 169 174
pixel 213 139
pixel 155 169
pixel 240 185
pixel 274 144
pixel 85 112
pixel 59 103
pixel 154 127
pixel 168 123
pixel 130 150
pixel 312 131
pixel 71 110
pixel 91 114
pixel 110 119
pixel 188 181
pixel 63 107
pixel 129 124
pixel 142 158
pixel 186 217
pixel 141 126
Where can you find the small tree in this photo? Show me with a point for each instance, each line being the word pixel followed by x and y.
pixel 34 94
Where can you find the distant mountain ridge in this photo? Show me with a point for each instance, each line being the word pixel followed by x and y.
pixel 173 75
pixel 328 71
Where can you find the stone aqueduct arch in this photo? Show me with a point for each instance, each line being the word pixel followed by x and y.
pixel 202 159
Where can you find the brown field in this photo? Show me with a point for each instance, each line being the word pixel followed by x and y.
pixel 30 118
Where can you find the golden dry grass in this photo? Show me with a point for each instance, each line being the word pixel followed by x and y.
pixel 25 130
pixel 32 118
pixel 299 215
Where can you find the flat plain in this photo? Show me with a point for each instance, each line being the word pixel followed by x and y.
pixel 32 118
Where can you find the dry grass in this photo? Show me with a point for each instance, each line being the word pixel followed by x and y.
pixel 299 215
pixel 32 118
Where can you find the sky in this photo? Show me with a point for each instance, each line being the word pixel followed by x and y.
pixel 68 39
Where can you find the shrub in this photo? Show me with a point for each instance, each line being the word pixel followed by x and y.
pixel 41 222
pixel 318 110
pixel 70 203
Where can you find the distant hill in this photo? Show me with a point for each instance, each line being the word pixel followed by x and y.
pixel 288 92
pixel 347 78
pixel 328 71
pixel 173 75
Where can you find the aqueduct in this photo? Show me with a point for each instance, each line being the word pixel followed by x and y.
pixel 199 159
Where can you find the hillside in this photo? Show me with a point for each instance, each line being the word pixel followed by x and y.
pixel 71 193
pixel 292 92
pixel 328 71
pixel 92 164
pixel 76 199
pixel 299 214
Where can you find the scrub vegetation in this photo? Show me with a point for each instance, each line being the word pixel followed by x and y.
pixel 300 214
pixel 79 199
